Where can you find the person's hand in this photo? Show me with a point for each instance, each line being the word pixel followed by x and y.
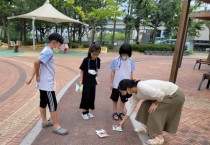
pixel 80 82
pixel 28 81
pixel 121 123
pixel 97 81
pixel 152 108
pixel 38 78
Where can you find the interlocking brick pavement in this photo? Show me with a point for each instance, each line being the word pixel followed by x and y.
pixel 19 112
pixel 19 109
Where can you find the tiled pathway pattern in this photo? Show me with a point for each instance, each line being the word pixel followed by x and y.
pixel 19 109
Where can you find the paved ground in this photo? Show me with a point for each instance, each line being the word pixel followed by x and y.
pixel 19 103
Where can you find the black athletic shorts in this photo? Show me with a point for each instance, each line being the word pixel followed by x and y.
pixel 48 98
pixel 115 95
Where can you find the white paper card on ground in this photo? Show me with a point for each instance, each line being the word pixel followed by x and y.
pixel 101 133
pixel 117 128
pixel 79 87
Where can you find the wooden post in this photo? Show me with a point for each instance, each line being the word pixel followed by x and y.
pixel 179 42
pixel 184 41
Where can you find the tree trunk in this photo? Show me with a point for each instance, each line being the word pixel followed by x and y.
pixel 88 37
pixel 137 35
pixel 129 35
pixel 80 35
pixel 126 35
pixel 92 37
pixel 36 34
pixel 8 33
pixel 113 35
pixel 101 35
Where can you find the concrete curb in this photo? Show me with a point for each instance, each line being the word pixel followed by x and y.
pixel 28 140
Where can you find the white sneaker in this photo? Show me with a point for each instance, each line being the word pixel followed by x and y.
pixel 90 115
pixel 85 116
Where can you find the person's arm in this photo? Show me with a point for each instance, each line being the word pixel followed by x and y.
pixel 124 120
pixel 81 76
pixel 112 79
pixel 97 78
pixel 157 94
pixel 152 92
pixel 131 75
pixel 132 68
pixel 32 76
pixel 133 104
pixel 36 68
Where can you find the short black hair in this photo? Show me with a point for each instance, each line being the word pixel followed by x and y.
pixel 127 83
pixel 94 48
pixel 125 48
pixel 57 37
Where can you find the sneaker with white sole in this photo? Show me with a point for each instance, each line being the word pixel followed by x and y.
pixel 48 124
pixel 85 116
pixel 60 131
pixel 90 115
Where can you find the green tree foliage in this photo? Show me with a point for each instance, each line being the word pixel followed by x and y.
pixel 172 16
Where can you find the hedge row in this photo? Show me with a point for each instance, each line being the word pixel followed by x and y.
pixel 154 47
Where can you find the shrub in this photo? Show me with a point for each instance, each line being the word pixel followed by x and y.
pixel 155 47
pixel 85 45
pixel 135 47
pixel 109 46
pixel 75 45
pixel 172 47
pixel 29 42
pixel 3 39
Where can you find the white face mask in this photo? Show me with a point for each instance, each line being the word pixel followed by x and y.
pixel 124 57
pixel 92 72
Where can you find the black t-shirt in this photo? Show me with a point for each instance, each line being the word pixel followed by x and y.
pixel 89 64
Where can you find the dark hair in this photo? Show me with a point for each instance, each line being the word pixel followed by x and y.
pixel 55 36
pixel 126 83
pixel 94 48
pixel 125 48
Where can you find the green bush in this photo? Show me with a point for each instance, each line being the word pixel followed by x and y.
pixel 135 47
pixel 75 45
pixel 109 46
pixel 85 45
pixel 155 47
pixel 3 39
pixel 29 42
pixel 172 47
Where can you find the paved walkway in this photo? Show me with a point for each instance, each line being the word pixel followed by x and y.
pixel 19 108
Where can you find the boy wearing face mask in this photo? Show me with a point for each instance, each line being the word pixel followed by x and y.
pixel 122 67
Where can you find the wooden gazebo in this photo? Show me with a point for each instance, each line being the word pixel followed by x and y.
pixel 181 37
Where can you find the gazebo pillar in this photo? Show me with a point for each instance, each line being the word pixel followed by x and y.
pixel 180 39
pixel 47 2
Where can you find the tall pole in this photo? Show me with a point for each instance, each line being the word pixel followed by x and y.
pixel 33 32
pixel 180 38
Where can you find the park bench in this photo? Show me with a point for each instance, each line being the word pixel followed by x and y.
pixel 205 76
pixel 202 61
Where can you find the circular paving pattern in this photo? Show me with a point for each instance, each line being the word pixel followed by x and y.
pixel 12 78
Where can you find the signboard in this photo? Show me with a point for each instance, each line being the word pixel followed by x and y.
pixel 103 49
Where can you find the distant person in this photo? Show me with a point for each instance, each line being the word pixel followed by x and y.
pixel 45 75
pixel 89 79
pixel 160 110
pixel 122 67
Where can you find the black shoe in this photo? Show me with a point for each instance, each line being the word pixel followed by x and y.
pixel 121 116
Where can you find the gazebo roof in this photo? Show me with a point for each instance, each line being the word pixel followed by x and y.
pixel 202 16
pixel 206 1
